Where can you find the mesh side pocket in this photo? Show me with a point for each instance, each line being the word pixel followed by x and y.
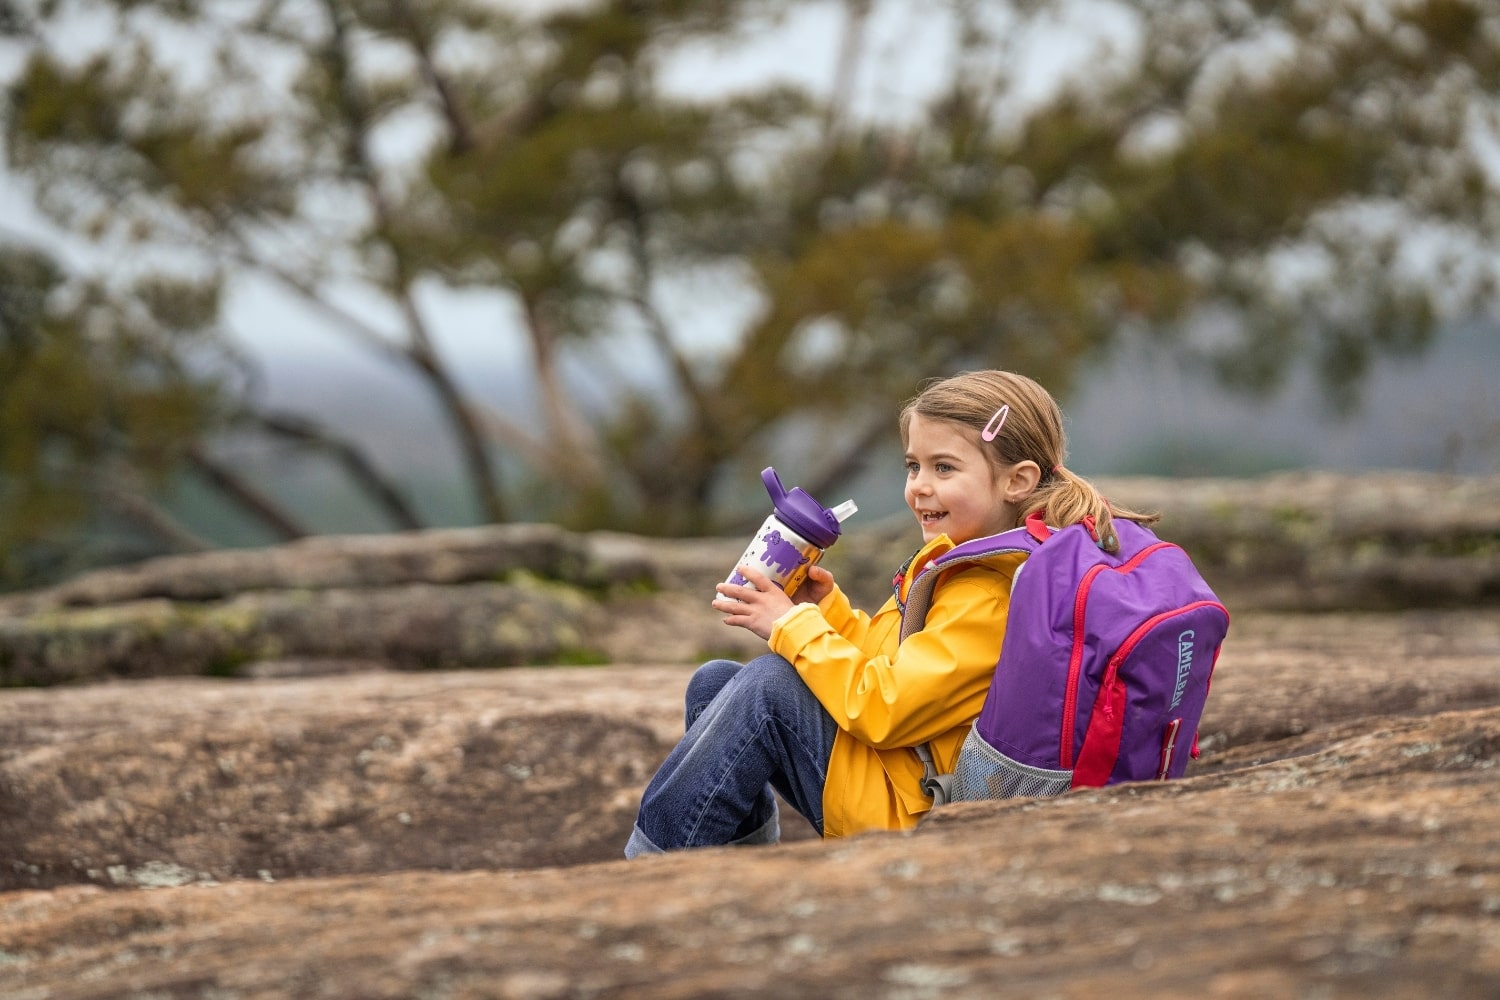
pixel 982 772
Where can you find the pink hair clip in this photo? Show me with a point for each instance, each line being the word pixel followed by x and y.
pixel 992 429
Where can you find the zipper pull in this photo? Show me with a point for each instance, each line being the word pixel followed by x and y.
pixel 1106 685
pixel 1169 748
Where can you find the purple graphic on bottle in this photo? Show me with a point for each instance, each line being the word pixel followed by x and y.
pixel 793 537
pixel 781 555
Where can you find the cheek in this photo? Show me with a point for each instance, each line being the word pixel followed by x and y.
pixel 909 491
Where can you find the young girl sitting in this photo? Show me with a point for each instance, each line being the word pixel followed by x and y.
pixel 830 716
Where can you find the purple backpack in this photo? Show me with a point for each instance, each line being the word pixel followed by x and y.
pixel 1104 669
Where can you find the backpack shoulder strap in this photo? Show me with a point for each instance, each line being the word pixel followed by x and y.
pixel 914 616
pixel 919 594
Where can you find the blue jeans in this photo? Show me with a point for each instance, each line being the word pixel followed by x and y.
pixel 750 728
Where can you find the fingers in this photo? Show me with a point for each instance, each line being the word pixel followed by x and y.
pixel 739 592
pixel 750 615
pixel 760 580
pixel 753 606
pixel 759 583
pixel 818 585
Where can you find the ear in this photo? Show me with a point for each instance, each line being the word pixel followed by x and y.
pixel 1022 481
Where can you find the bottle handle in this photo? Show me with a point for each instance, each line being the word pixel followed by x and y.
pixel 773 485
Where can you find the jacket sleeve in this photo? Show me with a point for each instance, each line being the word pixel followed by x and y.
pixel 932 682
pixel 843 617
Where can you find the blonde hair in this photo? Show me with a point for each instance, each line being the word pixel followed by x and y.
pixel 1033 431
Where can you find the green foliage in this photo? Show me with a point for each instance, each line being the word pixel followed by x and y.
pixel 227 664
pixel 579 657
pixel 1244 185
pixel 92 398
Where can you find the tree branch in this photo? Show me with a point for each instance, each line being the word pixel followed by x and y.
pixel 585 465
pixel 483 474
pixel 640 297
pixel 471 440
pixel 258 504
pixel 851 52
pixel 360 331
pixel 498 427
pixel 460 132
pixel 355 462
pixel 140 509
pixel 420 356
pixel 835 474
pixel 846 466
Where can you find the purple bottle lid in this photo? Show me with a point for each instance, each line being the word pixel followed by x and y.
pixel 797 509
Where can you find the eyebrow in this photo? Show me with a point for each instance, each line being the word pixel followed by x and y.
pixel 939 457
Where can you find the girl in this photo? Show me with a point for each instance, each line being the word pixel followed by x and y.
pixel 829 718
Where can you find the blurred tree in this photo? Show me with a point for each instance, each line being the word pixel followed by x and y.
pixel 106 395
pixel 95 406
pixel 1260 181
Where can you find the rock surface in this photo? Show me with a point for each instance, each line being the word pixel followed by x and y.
pixel 1337 875
pixel 1320 541
pixel 324 825
pixel 193 780
pixel 452 834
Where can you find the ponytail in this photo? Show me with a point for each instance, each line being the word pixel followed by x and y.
pixel 1065 498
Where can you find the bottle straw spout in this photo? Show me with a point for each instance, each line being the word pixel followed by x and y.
pixel 844 510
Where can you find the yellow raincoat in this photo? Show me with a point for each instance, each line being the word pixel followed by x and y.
pixel 888 696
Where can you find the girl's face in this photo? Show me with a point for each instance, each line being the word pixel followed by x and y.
pixel 950 485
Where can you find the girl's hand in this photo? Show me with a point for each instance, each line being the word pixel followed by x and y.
pixel 755 608
pixel 818 585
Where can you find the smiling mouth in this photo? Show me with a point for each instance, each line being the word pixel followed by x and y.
pixel 931 516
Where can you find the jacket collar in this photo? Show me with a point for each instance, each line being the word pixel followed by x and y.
pixel 918 561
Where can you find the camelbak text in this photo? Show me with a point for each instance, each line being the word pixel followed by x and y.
pixel 1184 665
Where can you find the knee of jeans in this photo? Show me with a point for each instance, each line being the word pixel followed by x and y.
pixel 708 680
pixel 771 680
pixel 771 668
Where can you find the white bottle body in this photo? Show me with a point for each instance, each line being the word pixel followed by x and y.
pixel 780 553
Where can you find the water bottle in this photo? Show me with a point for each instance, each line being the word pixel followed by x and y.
pixel 793 537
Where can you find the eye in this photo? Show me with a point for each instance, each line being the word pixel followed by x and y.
pixel 912 468
pixel 944 468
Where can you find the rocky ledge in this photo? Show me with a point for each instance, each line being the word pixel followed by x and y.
pixel 535 594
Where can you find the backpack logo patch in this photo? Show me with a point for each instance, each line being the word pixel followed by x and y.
pixel 1184 666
